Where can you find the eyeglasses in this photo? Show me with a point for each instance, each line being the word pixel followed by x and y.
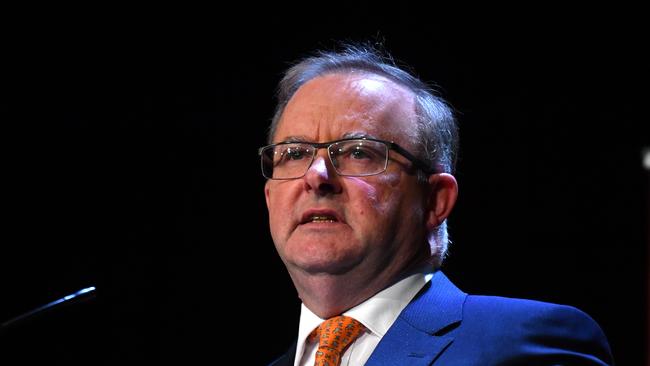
pixel 353 157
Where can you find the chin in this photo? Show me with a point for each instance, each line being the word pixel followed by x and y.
pixel 326 268
pixel 325 264
pixel 323 256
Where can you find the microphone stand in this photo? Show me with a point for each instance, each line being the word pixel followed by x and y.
pixel 84 294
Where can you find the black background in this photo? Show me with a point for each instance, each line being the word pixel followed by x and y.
pixel 130 164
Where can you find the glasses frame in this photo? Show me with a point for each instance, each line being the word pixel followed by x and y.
pixel 391 145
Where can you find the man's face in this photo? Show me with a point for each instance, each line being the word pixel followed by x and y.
pixel 324 223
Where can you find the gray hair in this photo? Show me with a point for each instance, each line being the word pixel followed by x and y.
pixel 437 133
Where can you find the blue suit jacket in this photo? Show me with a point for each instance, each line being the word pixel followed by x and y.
pixel 444 326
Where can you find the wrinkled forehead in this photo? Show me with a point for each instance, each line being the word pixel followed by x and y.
pixel 336 105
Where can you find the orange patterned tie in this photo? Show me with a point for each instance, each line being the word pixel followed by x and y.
pixel 334 336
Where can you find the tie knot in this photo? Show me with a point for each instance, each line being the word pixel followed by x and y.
pixel 334 336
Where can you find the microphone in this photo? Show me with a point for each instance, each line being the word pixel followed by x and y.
pixel 84 294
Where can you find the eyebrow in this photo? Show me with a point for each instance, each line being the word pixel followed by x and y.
pixel 296 138
pixel 358 135
pixel 347 135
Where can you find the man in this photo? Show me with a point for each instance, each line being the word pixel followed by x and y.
pixel 359 187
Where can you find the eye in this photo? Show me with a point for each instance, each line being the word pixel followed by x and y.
pixel 295 153
pixel 292 152
pixel 364 151
pixel 360 152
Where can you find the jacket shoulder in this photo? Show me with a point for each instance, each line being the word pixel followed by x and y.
pixel 530 313
pixel 529 327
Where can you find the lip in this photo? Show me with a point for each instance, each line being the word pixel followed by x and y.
pixel 307 215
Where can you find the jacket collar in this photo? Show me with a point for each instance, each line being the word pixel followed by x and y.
pixel 418 335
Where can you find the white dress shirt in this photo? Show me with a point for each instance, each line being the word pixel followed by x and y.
pixel 377 314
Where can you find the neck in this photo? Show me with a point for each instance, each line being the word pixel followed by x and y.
pixel 331 295
pixel 328 295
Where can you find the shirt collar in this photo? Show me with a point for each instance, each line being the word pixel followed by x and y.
pixel 377 313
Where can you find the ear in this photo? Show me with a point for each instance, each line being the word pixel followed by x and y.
pixel 442 197
pixel 267 193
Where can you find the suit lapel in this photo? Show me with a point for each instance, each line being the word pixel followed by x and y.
pixel 287 358
pixel 405 345
pixel 417 337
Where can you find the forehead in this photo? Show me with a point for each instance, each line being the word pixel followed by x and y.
pixel 335 105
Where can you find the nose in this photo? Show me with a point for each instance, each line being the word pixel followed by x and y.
pixel 321 177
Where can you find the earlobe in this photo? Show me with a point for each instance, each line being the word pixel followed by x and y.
pixel 442 198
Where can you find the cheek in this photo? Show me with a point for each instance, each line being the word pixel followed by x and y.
pixel 384 205
pixel 374 200
pixel 276 202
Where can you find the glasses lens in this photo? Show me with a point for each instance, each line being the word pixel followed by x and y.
pixel 359 157
pixel 286 161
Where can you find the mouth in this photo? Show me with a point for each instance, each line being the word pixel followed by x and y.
pixel 320 217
